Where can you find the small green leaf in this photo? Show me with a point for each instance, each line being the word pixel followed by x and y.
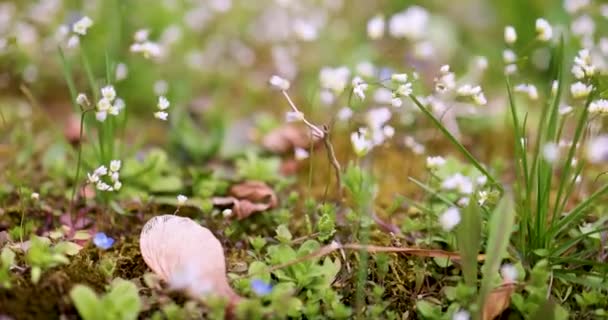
pixel 86 302
pixel 283 234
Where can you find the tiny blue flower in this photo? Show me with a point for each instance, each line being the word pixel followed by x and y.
pixel 102 241
pixel 260 287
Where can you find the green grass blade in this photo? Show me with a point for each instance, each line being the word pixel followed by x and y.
pixel 455 142
pixel 500 229
pixel 468 235
pixel 577 213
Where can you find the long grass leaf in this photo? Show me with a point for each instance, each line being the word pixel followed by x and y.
pixel 500 229
pixel 468 235
pixel 455 141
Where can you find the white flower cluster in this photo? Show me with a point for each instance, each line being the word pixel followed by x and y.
pixel 450 218
pixel 359 87
pixel 376 132
pixel 112 173
pixel 544 31
pixel 580 90
pixel 108 104
pixel 583 68
pixel 446 80
pixel 528 89
pixel 510 59
pixel 80 28
pixel 411 23
pixel 334 79
pixel 474 92
pixel 435 162
pixel 162 105
pixel 599 107
pixel 144 46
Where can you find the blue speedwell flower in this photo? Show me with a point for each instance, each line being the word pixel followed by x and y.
pixel 260 287
pixel 102 241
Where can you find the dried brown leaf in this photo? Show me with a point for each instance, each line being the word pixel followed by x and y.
pixel 186 255
pixel 287 138
pixel 247 198
pixel 498 301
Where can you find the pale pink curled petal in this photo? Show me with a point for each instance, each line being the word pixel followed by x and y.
pixel 186 255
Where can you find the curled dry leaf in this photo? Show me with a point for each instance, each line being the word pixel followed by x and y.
pixel 187 256
pixel 248 198
pixel 498 301
pixel 288 137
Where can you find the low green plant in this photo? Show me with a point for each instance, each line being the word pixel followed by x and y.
pixel 7 259
pixel 122 301
pixel 43 255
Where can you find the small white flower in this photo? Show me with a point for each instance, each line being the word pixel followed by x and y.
pixel 375 27
pixel 227 213
pixel 345 113
pixel 573 6
pixel 334 79
pixel 161 115
pixel 599 107
pixel 510 35
pixel 508 56
pixel 294 116
pixel 73 41
pixel 482 197
pixel 108 93
pixel 396 102
pixel 435 162
pixel 121 71
pixel 141 35
pixel 551 152
pixel 388 131
pixel 508 273
pixel 81 26
pixel 301 154
pixel 115 165
pixel 101 116
pixel 279 83
pixel 544 31
pixel 359 87
pixel 404 89
pixel 566 110
pixel 510 68
pixel 399 77
pixel 92 178
pixel 361 144
pixel 119 104
pixel 82 100
pixel 114 111
pixel 117 185
pixel 114 176
pixel 181 199
pixel 529 89
pixel 461 315
pixel 450 219
pixel 580 90
pixel 480 99
pixel 102 186
pixel 103 104
pixel 147 49
pixel 35 196
pixel 459 182
pixel 482 180
pixel 163 103
pixel 597 149
pixel 161 87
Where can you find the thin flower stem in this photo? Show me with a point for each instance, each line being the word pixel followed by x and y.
pixel 78 163
pixel 323 134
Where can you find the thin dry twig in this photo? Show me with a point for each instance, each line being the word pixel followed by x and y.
pixel 334 246
pixel 322 133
